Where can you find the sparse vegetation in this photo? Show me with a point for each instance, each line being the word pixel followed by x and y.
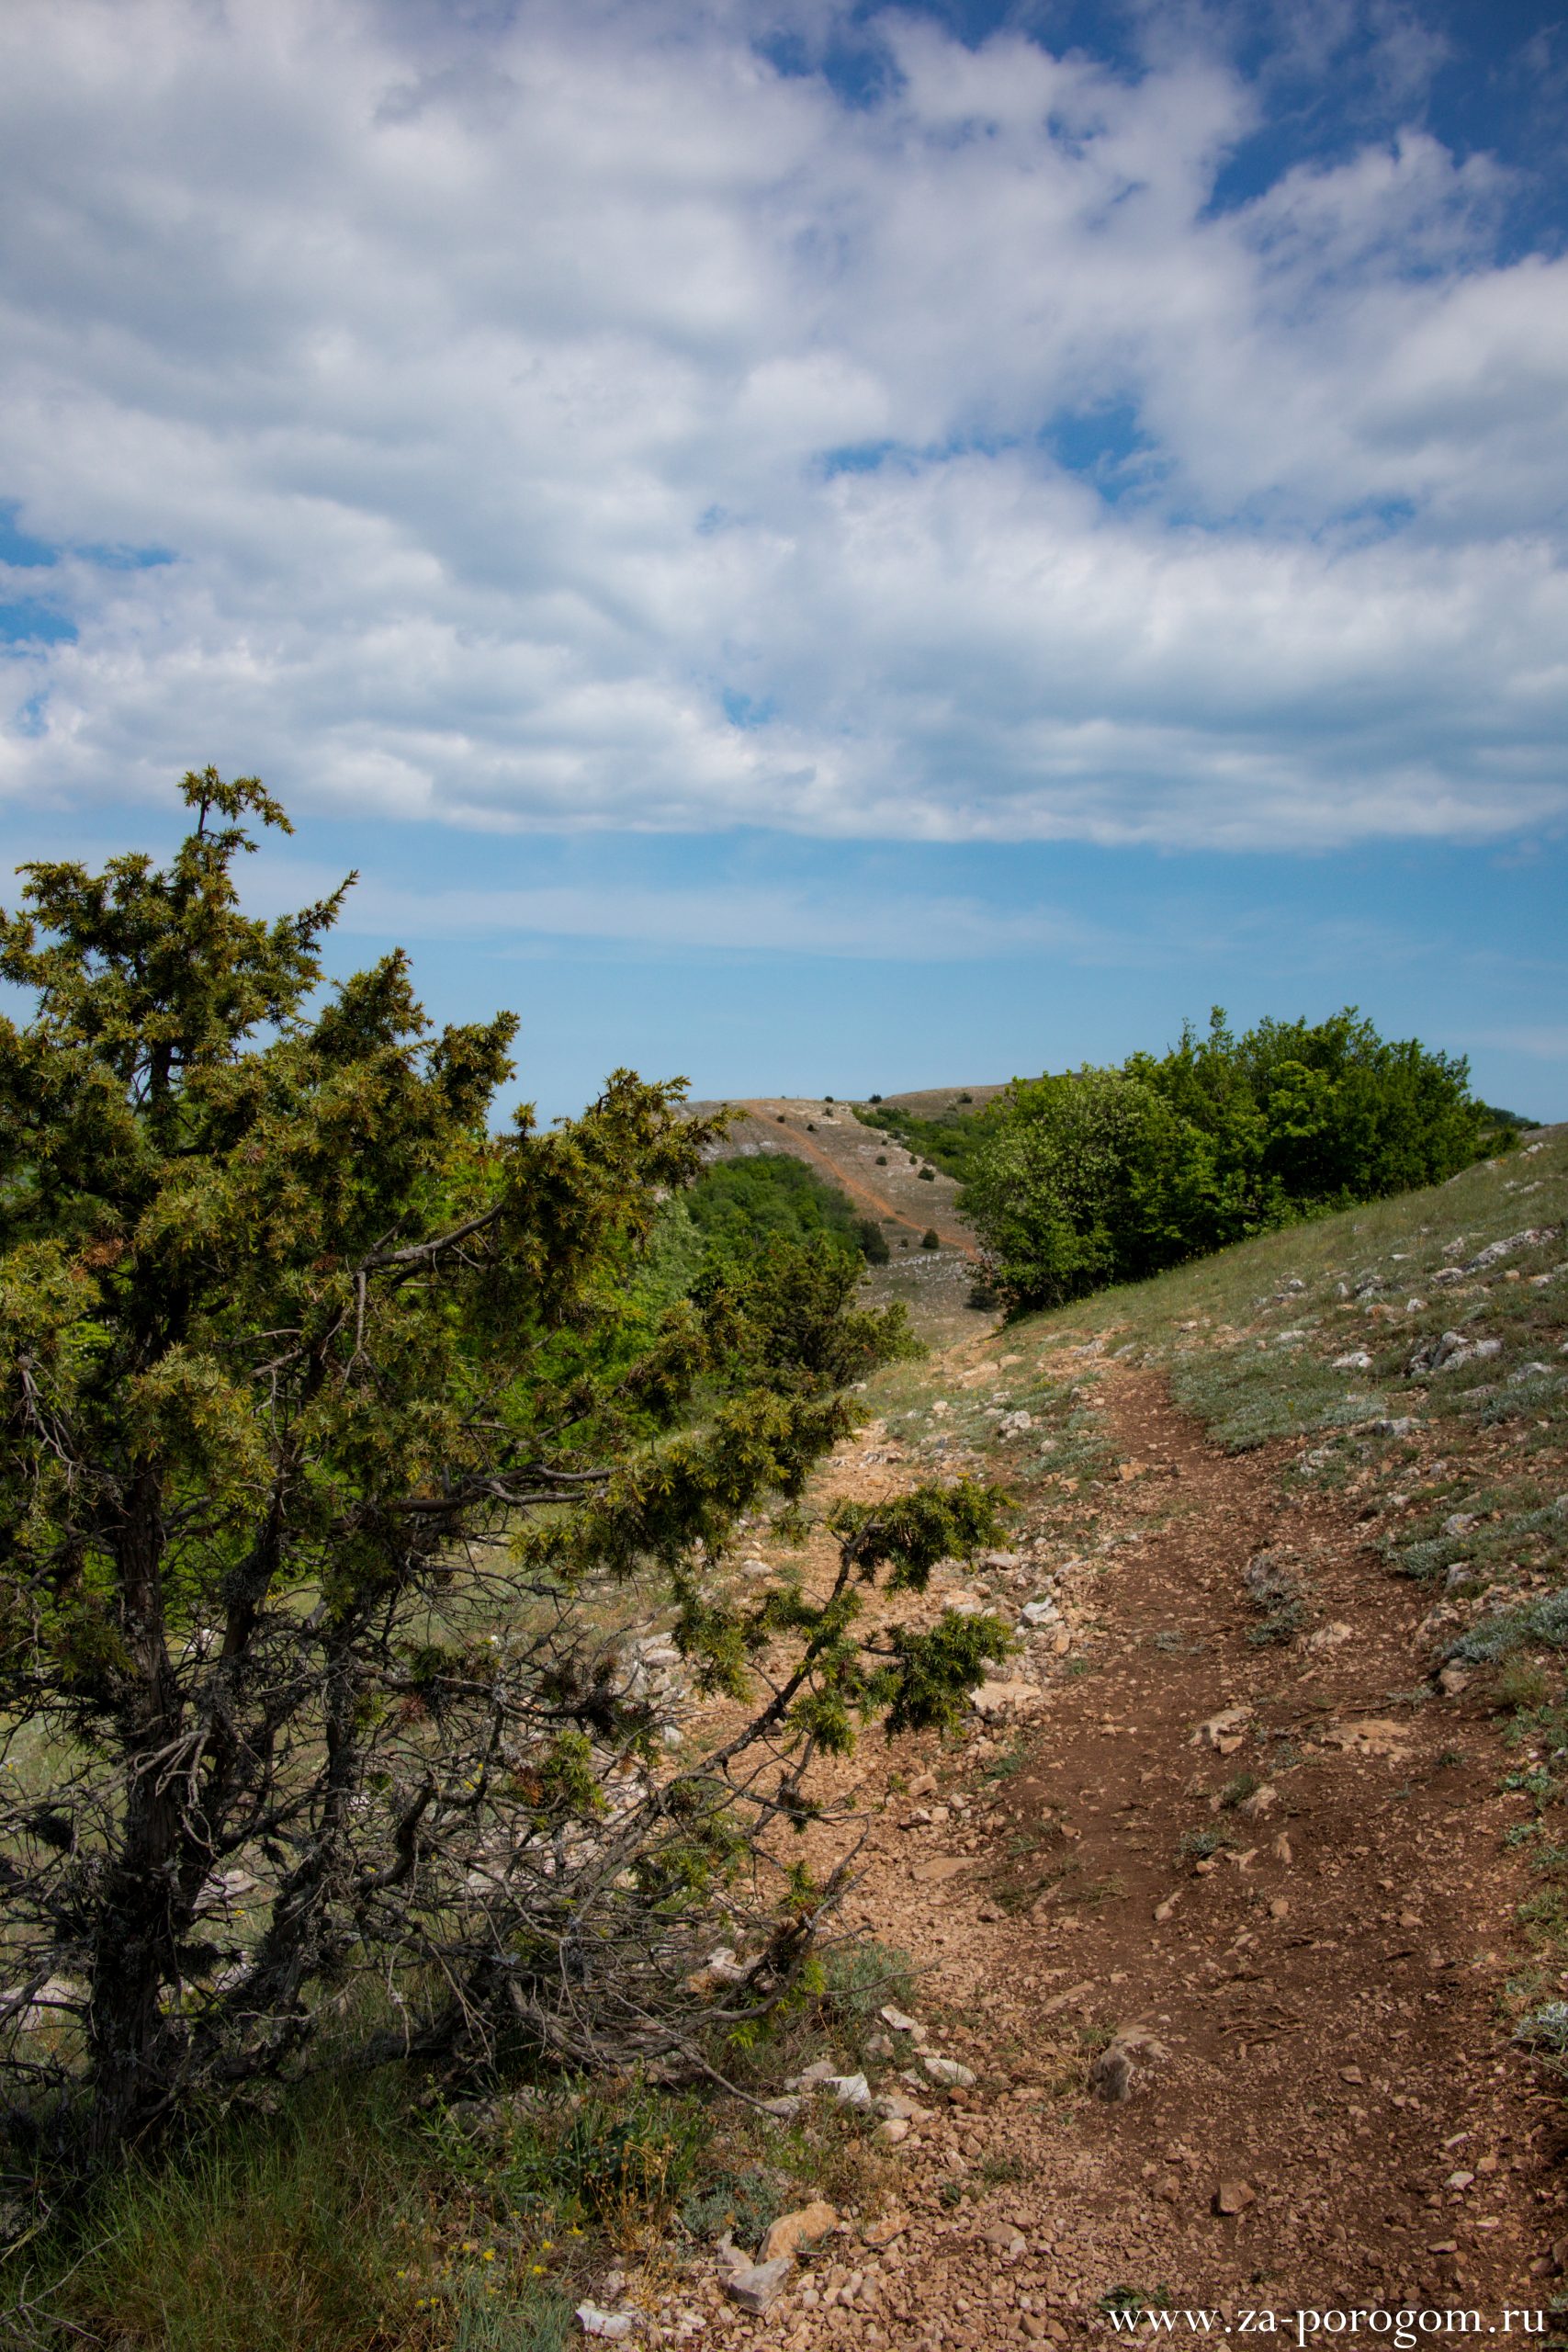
pixel 948 1142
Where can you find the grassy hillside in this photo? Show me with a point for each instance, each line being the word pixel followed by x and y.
pixel 1414 1356
pixel 946 1132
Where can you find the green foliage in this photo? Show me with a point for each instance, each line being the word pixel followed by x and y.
pixel 736 1211
pixel 738 1205
pixel 743 2204
pixel 334 1423
pixel 601 2159
pixel 1542 1621
pixel 1203 1845
pixel 951 1141
pixel 863 1977
pixel 354 2219
pixel 930 1239
pixel 301 2236
pixel 1100 1176
pixel 1515 1121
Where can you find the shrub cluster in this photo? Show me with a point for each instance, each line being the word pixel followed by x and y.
pixel 739 1209
pixel 1105 1175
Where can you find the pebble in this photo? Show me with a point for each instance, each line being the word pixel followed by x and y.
pixel 595 2321
pixel 1223 1733
pixel 792 2231
pixel 850 2090
pixel 756 2286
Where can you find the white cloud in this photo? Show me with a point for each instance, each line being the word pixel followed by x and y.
pixel 491 387
pixel 728 918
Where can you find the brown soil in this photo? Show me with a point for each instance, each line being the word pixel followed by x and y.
pixel 1324 1990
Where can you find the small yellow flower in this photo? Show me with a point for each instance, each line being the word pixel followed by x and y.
pixel 535 2270
pixel 489 2255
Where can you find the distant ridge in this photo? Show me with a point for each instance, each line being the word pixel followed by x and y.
pixel 927 1100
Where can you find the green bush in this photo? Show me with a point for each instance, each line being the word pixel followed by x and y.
pixel 741 1206
pixel 1097 1176
pixel 859 1977
pixel 873 1242
pixel 930 1239
pixel 608 2157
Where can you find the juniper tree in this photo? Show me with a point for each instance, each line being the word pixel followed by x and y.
pixel 333 1438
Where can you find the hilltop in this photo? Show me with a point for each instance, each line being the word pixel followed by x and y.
pixel 906 1194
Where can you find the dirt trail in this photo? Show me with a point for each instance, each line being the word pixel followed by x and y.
pixel 1321 1988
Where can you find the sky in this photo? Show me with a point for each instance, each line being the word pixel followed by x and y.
pixel 821 548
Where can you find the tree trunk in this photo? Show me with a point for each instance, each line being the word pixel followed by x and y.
pixel 140 1916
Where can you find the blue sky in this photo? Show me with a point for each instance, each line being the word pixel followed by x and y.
pixel 817 547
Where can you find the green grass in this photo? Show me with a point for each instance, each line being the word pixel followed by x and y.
pixel 1203 1845
pixel 314 2229
pixel 358 2220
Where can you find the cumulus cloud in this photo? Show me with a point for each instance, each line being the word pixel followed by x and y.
pixel 566 416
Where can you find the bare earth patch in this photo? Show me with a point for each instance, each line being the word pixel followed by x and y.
pixel 1265 1876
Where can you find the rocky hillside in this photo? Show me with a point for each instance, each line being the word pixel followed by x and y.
pixel 907 1197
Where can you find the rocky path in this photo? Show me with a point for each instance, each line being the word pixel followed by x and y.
pixel 1218 1928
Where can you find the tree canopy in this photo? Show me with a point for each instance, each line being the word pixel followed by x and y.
pixel 1105 1175
pixel 339 1444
